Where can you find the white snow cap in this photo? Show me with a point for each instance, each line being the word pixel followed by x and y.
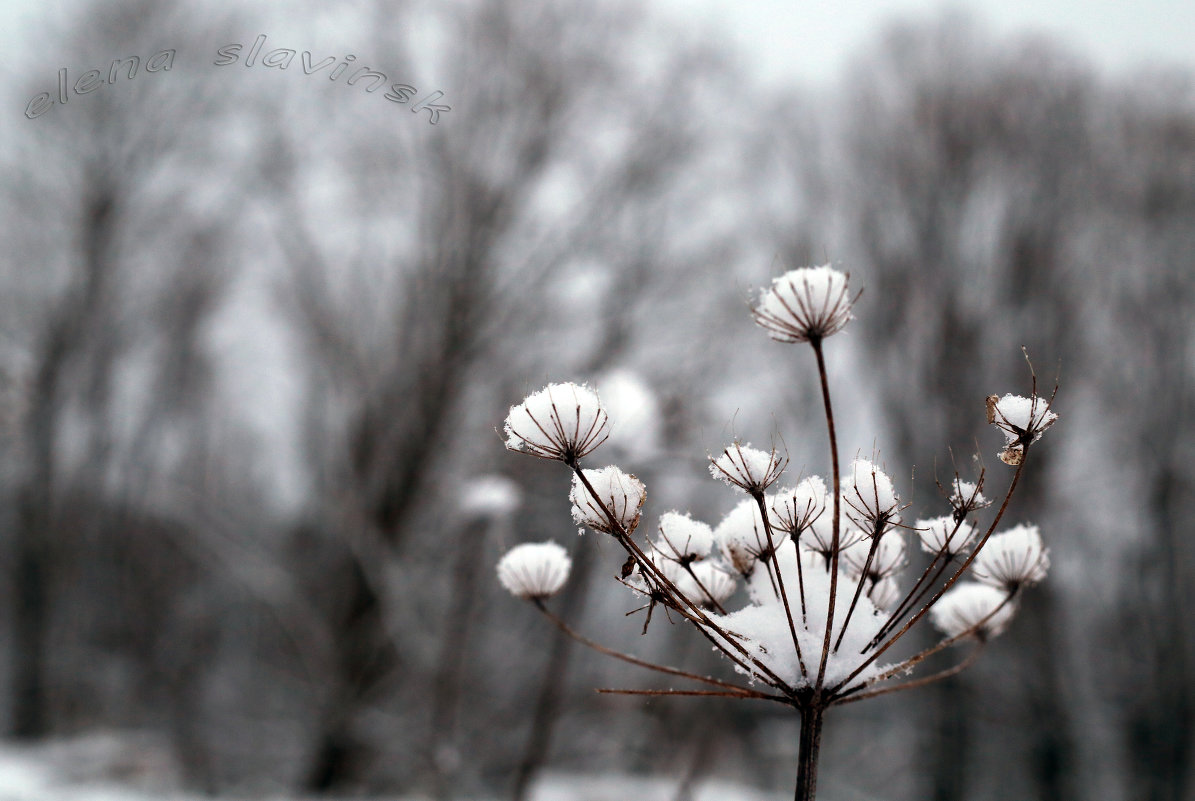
pixel 682 538
pixel 939 534
pixel 534 570
pixel 868 496
pixel 1012 559
pixel 965 497
pixel 747 468
pixel 631 402
pixel 620 493
pixel 717 583
pixel 1023 420
pixel 804 304
pixel 763 625
pixel 884 593
pixel 561 421
pixel 490 496
pixel 795 508
pixel 742 538
pixel 820 537
pixel 886 562
pixel 967 604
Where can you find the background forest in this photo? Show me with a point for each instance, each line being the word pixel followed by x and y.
pixel 257 329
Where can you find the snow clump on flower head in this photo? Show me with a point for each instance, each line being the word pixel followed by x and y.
pixel 945 535
pixel 887 558
pixel 561 421
pixel 809 303
pixel 619 494
pixel 683 539
pixel 535 570
pixel 965 497
pixel 1012 559
pixel 1023 420
pixel 869 496
pixel 968 605
pixel 747 468
pixel 797 507
pixel 742 538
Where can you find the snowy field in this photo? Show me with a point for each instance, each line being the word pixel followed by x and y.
pixel 111 768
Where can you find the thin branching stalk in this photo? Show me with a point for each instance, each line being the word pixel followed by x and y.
pixel 634 660
pixel 852 695
pixel 767 528
pixel 957 574
pixel 835 522
pixel 697 616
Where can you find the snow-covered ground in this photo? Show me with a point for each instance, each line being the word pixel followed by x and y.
pixel 108 767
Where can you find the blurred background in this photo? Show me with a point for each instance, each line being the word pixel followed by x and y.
pixel 257 329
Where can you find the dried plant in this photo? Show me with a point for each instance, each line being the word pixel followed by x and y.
pixel 819 561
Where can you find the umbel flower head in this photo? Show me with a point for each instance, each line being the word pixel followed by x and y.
pixel 683 539
pixel 1023 420
pixel 535 570
pixel 796 508
pixel 871 502
pixel 965 497
pixel 945 535
pixel 619 494
pixel 1013 559
pixel 561 421
pixel 747 468
pixel 805 304
pixel 969 604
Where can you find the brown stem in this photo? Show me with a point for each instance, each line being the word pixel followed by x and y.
pixel 634 660
pixel 921 682
pixel 922 586
pixel 966 563
pixel 696 616
pixel 767 527
pixel 810 745
pixel 974 631
pixel 834 524
pixel 704 693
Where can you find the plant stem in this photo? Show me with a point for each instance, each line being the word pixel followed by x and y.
pixel 811 741
pixel 835 522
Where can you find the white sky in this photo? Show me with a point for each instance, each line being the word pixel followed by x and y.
pixel 810 40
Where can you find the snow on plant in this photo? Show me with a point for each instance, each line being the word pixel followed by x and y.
pixel 534 570
pixel 820 561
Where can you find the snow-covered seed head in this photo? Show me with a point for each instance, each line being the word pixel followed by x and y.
pixel 747 468
pixel 535 570
pixel 1022 420
pixel 490 496
pixel 795 508
pixel 884 593
pixel 886 562
pixel 965 497
pixel 683 539
pixel 871 502
pixel 713 583
pixel 945 535
pixel 619 494
pixel 742 538
pixel 1013 559
pixel 561 421
pixel 820 538
pixel 968 605
pixel 809 303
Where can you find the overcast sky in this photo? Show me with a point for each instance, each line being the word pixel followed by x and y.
pixel 810 40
